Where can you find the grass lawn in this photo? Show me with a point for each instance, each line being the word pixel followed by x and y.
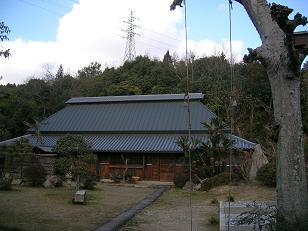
pixel 172 210
pixel 51 209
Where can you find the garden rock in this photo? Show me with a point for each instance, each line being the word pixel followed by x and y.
pixel 51 181
pixel 197 187
pixel 258 160
pixel 17 182
pixel 203 185
pixel 187 186
pixel 47 184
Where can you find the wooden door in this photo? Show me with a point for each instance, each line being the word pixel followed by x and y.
pixel 155 168
pixel 167 167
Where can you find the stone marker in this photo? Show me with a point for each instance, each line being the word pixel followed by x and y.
pixel 257 161
pixel 80 196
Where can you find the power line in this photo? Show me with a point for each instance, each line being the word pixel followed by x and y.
pixel 72 1
pixel 61 6
pixel 141 41
pixel 165 35
pixel 161 42
pixel 159 48
pixel 41 7
pixel 57 4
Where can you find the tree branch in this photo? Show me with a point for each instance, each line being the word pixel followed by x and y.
pixel 5 53
pixel 275 30
pixel 264 25
pixel 281 13
pixel 254 55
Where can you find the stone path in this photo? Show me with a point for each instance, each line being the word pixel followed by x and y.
pixel 117 222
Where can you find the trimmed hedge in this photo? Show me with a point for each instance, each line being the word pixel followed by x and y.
pixel 8 228
pixel 35 173
pixel 267 174
pixel 88 182
pixel 6 183
pixel 179 181
pixel 218 180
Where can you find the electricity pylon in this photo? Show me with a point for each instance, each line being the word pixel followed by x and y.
pixel 130 51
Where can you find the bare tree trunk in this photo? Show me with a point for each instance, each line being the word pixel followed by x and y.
pixel 125 160
pixel 282 62
pixel 126 168
pixel 291 178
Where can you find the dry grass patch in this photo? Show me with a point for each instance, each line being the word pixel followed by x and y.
pixel 51 209
pixel 172 211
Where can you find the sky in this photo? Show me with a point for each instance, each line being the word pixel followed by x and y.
pixel 47 33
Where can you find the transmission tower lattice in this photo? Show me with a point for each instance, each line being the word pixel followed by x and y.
pixel 130 51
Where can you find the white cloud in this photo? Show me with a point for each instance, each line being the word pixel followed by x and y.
pixel 92 32
pixel 208 47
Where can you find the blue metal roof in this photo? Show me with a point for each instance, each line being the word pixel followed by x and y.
pixel 128 117
pixel 134 98
pixel 151 123
pixel 151 143
pixel 12 141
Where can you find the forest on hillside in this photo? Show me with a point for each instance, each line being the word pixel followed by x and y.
pixel 38 98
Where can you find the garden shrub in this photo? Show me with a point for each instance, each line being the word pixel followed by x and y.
pixel 203 171
pixel 267 174
pixel 214 201
pixel 128 176
pixel 218 180
pixel 35 173
pixel 116 178
pixel 230 198
pixel 6 183
pixel 73 161
pixel 88 182
pixel 179 181
pixel 59 166
pixel 8 228
pixel 213 220
pixel 59 182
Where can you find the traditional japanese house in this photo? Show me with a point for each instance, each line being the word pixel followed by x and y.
pixel 142 128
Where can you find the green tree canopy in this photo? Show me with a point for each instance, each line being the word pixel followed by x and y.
pixel 74 157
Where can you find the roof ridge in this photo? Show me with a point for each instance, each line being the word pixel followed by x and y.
pixel 134 98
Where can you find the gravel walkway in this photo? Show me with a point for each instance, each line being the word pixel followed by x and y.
pixel 171 212
pixel 117 222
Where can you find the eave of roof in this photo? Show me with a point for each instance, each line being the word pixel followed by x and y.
pixel 132 132
pixel 137 143
pixel 12 141
pixel 300 33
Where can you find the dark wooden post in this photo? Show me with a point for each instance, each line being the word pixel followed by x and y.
pixel 143 164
